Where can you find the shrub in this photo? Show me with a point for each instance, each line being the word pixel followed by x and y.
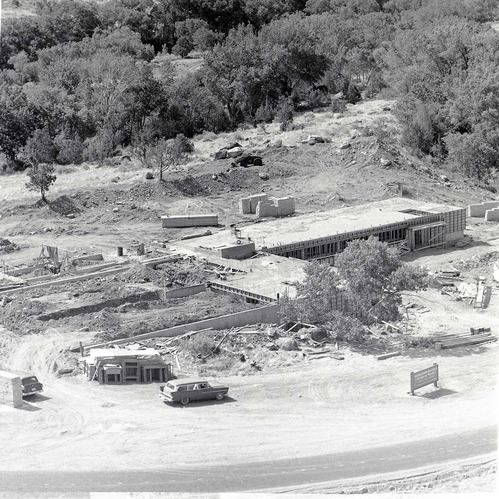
pixel 199 344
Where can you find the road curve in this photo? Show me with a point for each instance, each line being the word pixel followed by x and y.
pixel 261 475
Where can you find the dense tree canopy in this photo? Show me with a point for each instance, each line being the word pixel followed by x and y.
pixel 84 71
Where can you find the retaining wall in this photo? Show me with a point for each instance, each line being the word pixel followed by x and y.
pixel 172 221
pixel 262 315
pixel 478 210
pixel 96 307
pixel 185 291
pixel 10 390
pixel 492 215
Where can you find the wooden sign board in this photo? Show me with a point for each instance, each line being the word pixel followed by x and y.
pixel 424 377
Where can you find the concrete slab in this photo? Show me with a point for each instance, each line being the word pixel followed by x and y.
pixel 306 227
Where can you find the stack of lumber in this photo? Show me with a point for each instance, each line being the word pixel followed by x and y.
pixel 463 339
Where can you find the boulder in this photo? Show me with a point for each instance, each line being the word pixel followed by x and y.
pixel 318 333
pixel 287 344
pixel 345 145
pixel 263 176
pixel 222 154
pixel 385 162
pixel 234 152
pixel 315 139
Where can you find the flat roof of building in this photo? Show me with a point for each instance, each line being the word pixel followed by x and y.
pixel 317 225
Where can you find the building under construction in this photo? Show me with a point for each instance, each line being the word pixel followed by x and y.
pixel 411 225
pixel 119 366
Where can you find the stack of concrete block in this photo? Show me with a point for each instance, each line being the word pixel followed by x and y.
pixel 492 215
pixel 11 393
pixel 478 210
pixel 248 205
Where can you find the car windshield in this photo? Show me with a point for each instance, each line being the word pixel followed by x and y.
pixel 31 379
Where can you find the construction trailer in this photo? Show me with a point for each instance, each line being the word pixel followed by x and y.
pixel 115 366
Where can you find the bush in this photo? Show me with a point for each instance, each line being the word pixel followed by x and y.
pixel 199 344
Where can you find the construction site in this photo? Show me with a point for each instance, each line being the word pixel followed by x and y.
pixel 112 289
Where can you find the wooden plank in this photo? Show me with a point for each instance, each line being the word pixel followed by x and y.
pixel 388 355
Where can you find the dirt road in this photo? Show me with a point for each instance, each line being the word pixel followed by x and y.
pixel 320 408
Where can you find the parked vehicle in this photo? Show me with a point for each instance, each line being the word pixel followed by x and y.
pixel 30 385
pixel 191 389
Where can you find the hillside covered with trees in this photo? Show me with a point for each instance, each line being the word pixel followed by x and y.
pixel 80 79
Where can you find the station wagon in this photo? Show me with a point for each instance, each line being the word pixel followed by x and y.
pixel 191 389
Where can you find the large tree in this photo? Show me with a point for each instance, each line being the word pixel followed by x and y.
pixel 366 285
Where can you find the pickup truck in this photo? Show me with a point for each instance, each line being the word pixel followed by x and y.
pixel 186 390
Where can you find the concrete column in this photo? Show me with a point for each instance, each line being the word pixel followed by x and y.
pixel 10 390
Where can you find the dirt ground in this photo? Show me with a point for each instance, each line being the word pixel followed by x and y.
pixel 296 405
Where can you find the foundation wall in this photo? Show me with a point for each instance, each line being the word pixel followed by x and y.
pixel 266 209
pixel 238 251
pixel 285 206
pixel 478 210
pixel 492 215
pixel 245 206
pixel 174 221
pixel 255 199
pixel 10 390
pixel 185 291
pixel 262 315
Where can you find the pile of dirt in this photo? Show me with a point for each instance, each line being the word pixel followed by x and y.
pixel 20 314
pixel 7 246
pixel 64 205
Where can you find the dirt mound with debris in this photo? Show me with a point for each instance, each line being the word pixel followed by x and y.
pixel 64 206
pixel 7 246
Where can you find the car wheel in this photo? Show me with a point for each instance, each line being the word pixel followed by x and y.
pixel 184 400
pixel 220 396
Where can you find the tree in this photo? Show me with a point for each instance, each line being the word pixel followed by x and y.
pixel 39 152
pixel 365 287
pixel 168 154
pixel 373 277
pixel 41 177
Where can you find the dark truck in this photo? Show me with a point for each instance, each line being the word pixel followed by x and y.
pixel 191 389
pixel 30 384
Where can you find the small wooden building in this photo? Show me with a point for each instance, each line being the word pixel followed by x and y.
pixel 121 365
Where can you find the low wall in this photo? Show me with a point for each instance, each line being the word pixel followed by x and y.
pixel 262 315
pixel 10 390
pixel 492 215
pixel 478 210
pixel 255 199
pixel 266 209
pixel 185 291
pixel 96 307
pixel 172 221
pixel 245 206
pixel 285 206
pixel 238 251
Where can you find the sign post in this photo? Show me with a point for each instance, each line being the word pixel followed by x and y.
pixel 424 377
